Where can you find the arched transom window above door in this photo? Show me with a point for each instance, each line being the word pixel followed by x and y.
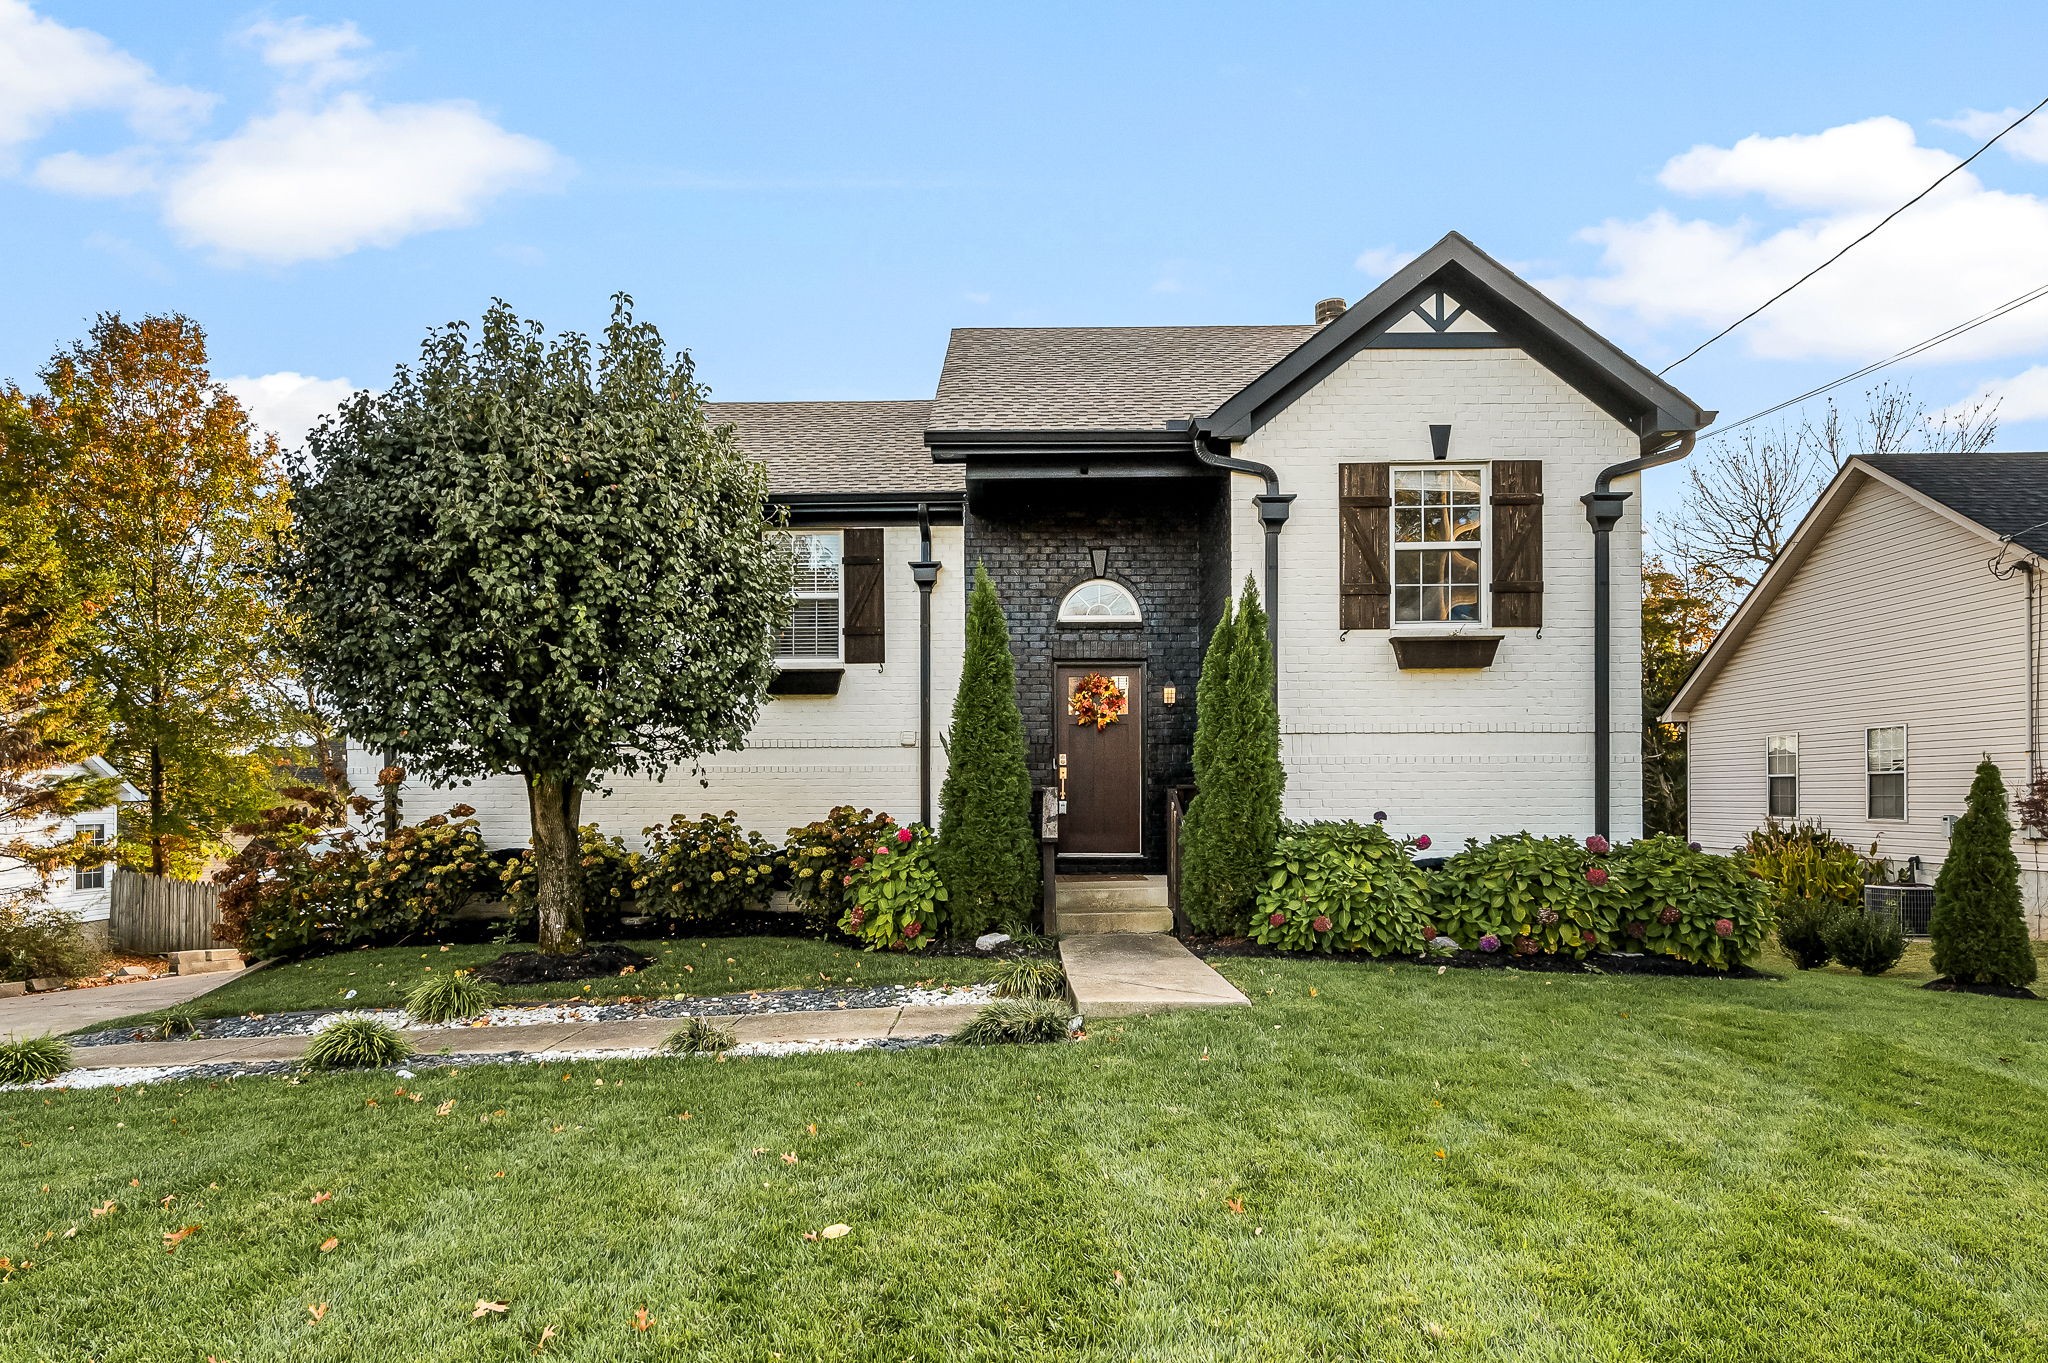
pixel 1100 602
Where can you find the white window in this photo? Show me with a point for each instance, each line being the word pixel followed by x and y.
pixel 93 877
pixel 1781 775
pixel 1884 771
pixel 1439 545
pixel 1099 602
pixel 812 634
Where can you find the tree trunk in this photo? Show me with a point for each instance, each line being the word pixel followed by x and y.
pixel 156 810
pixel 556 806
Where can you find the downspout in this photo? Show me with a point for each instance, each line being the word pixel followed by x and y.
pixel 925 572
pixel 1603 510
pixel 1274 506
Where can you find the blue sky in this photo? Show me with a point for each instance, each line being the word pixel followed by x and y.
pixel 809 196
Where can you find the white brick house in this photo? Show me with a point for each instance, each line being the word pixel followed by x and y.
pixel 1414 483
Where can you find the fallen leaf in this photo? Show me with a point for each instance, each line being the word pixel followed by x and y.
pixel 1235 1204
pixel 329 1243
pixel 445 1108
pixel 641 1320
pixel 105 1210
pixel 547 1333
pixel 135 1183
pixel 485 1308
pixel 319 1198
pixel 789 1157
pixel 167 1199
pixel 1441 1155
pixel 836 1230
pixel 317 1312
pixel 812 1128
pixel 1116 1275
pixel 810 1235
pixel 174 1238
pixel 73 1231
pixel 1314 992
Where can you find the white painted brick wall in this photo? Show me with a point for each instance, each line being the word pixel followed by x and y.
pixel 1450 754
pixel 807 753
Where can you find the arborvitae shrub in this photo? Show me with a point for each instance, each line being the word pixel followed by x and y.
pixel 1979 928
pixel 1231 827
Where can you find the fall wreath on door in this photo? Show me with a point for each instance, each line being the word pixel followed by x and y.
pixel 1097 700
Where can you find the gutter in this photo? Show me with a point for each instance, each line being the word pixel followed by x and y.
pixel 1274 506
pixel 1604 507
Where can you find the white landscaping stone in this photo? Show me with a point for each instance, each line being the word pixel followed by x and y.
pixel 989 941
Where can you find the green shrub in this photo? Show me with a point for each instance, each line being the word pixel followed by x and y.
pixel 705 869
pixel 413 882
pixel 1803 930
pixel 611 871
pixel 1805 862
pixel 821 858
pixel 988 841
pixel 1869 942
pixel 33 1060
pixel 1030 977
pixel 898 897
pixel 1525 895
pixel 1979 927
pixel 1342 887
pixel 449 996
pixel 700 1036
pixel 40 941
pixel 354 1041
pixel 1009 1022
pixel 1695 906
pixel 1233 823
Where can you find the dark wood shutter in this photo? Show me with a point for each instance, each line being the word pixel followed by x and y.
pixel 1364 573
pixel 860 563
pixel 1517 503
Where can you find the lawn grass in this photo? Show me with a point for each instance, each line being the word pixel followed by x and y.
pixel 1470 1165
pixel 694 966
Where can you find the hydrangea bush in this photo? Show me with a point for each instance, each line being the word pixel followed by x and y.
pixel 822 855
pixel 1342 887
pixel 704 869
pixel 896 898
pixel 611 876
pixel 1526 896
pixel 1678 901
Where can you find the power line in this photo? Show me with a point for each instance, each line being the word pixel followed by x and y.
pixel 1854 244
pixel 1908 353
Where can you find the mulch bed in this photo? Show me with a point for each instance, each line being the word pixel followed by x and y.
pixel 1601 964
pixel 593 962
pixel 1948 984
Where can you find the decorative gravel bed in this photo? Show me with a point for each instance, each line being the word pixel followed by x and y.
pixel 529 1015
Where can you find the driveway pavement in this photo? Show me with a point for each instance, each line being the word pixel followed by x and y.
pixel 67 1010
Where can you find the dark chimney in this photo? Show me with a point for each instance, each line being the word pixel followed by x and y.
pixel 1329 310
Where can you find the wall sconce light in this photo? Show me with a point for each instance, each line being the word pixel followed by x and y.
pixel 1167 695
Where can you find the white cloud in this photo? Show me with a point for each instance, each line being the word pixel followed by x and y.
pixel 49 71
pixel 113 176
pixel 288 403
pixel 2023 397
pixel 1960 252
pixel 312 184
pixel 1380 261
pixel 2027 142
pixel 315 55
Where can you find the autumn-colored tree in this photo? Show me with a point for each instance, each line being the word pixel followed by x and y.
pixel 169 500
pixel 539 557
pixel 1679 612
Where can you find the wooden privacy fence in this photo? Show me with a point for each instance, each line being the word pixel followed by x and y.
pixel 154 914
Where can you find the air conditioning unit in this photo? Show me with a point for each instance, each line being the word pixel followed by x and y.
pixel 1910 905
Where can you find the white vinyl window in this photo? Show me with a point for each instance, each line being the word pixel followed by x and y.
pixel 1099 602
pixel 1884 771
pixel 93 877
pixel 1781 775
pixel 812 634
pixel 1439 545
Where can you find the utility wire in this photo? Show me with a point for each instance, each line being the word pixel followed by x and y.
pixel 1940 338
pixel 1854 244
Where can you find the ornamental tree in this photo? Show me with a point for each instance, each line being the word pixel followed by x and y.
pixel 987 851
pixel 1228 835
pixel 1979 927
pixel 538 557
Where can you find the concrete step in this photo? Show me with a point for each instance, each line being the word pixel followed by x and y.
pixel 1088 893
pixel 211 961
pixel 1088 922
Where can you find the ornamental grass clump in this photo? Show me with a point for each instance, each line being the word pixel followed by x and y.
pixel 1030 977
pixel 898 898
pixel 1342 887
pixel 1979 927
pixel 700 1036
pixel 355 1041
pixel 450 996
pixel 704 870
pixel 1870 942
pixel 1016 1022
pixel 1530 895
pixel 33 1060
pixel 176 1022
pixel 1691 905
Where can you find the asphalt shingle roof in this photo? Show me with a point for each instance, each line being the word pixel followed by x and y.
pixel 2007 494
pixel 1099 378
pixel 840 446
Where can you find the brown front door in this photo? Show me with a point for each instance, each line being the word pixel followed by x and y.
pixel 1102 773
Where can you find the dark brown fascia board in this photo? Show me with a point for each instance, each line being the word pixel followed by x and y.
pixel 1582 357
pixel 874 508
pixel 954 447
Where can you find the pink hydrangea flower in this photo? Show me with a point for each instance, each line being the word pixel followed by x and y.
pixel 1589 938
pixel 1422 841
pixel 1321 924
pixel 1275 919
pixel 904 835
pixel 913 931
pixel 1694 847
pixel 1598 845
pixel 1723 928
pixel 1668 915
pixel 1489 943
pixel 1596 876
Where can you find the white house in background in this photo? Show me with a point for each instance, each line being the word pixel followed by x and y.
pixel 84 893
pixel 1421 484
pixel 1894 644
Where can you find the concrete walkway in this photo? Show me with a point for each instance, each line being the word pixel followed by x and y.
pixel 1115 973
pixel 833 1024
pixel 68 1010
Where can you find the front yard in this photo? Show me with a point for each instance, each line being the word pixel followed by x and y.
pixel 1371 1163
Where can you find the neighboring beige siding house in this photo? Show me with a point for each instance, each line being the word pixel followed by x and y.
pixel 1894 644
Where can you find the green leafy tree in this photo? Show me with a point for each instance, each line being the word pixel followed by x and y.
pixel 1679 615
pixel 172 503
pixel 1979 928
pixel 539 558
pixel 1232 824
pixel 987 851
